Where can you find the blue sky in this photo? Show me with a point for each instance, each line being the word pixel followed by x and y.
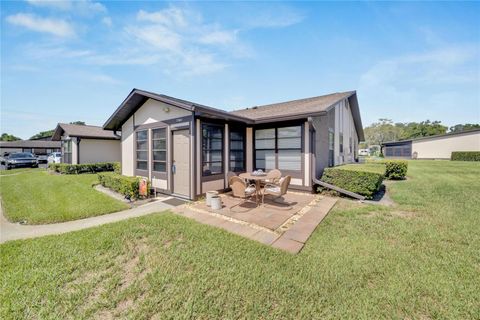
pixel 67 61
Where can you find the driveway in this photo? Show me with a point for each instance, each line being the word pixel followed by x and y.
pixel 14 231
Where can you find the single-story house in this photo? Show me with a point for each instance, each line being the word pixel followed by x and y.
pixel 187 149
pixel 38 147
pixel 433 147
pixel 87 144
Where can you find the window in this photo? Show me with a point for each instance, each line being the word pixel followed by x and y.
pixel 279 148
pixel 159 150
pixel 340 138
pixel 331 149
pixel 350 145
pixel 212 149
pixel 237 149
pixel 142 150
pixel 265 149
pixel 67 151
pixel 289 147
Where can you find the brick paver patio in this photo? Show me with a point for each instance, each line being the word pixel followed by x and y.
pixel 286 224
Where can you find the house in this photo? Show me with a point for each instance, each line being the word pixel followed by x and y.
pixel 433 147
pixel 187 149
pixel 38 147
pixel 87 144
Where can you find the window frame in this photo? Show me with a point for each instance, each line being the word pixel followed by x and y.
pixel 67 151
pixel 141 172
pixel 222 150
pixel 294 173
pixel 243 132
pixel 152 139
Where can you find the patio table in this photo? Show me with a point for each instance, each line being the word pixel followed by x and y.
pixel 257 179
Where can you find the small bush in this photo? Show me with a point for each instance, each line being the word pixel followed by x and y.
pixel 117 167
pixel 65 168
pixel 465 156
pixel 361 182
pixel 396 169
pixel 128 186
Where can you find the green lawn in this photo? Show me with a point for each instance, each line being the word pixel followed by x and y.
pixel 418 260
pixel 38 197
pixel 19 170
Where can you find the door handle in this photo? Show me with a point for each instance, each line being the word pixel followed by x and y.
pixel 174 168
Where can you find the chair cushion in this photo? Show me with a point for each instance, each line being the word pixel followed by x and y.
pixel 272 189
pixel 281 180
pixel 249 190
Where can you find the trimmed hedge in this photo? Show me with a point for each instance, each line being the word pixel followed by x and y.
pixel 465 156
pixel 65 168
pixel 396 169
pixel 361 182
pixel 128 186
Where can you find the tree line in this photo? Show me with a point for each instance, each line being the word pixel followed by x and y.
pixel 386 130
pixel 41 134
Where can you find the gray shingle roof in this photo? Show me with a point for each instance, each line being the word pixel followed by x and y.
pixel 75 130
pixel 294 107
pixel 30 144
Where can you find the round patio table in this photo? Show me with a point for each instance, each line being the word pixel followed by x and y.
pixel 257 179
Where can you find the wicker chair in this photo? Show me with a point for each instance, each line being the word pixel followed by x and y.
pixel 274 176
pixel 240 189
pixel 276 190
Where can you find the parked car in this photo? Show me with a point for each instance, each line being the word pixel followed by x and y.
pixel 43 158
pixel 20 159
pixel 55 157
pixel 363 152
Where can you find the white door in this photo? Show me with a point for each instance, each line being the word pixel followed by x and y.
pixel 181 162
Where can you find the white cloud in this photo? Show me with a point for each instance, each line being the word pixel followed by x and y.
pixel 421 84
pixel 82 7
pixel 273 17
pixel 107 21
pixel 219 37
pixel 57 27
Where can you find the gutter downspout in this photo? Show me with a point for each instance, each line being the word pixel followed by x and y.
pixel 78 150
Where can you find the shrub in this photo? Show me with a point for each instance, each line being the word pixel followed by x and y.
pixel 128 186
pixel 117 167
pixel 396 169
pixel 361 182
pixel 466 156
pixel 65 168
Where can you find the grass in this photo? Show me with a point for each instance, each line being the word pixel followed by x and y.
pixel 417 260
pixel 38 197
pixel 19 170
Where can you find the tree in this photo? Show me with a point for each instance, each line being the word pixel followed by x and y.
pixel 426 128
pixel 42 134
pixel 49 133
pixel 9 137
pixel 382 131
pixel 464 127
pixel 80 123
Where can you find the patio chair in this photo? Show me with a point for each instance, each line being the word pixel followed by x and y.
pixel 274 175
pixel 240 189
pixel 276 190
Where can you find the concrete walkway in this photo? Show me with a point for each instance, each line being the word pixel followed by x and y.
pixel 14 231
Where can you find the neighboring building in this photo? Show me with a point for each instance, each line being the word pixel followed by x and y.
pixel 46 138
pixel 38 147
pixel 433 147
pixel 187 149
pixel 87 144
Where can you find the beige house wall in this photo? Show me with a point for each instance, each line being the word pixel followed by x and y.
pixel 151 111
pixel 74 151
pixel 128 148
pixel 97 150
pixel 442 147
pixel 9 150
